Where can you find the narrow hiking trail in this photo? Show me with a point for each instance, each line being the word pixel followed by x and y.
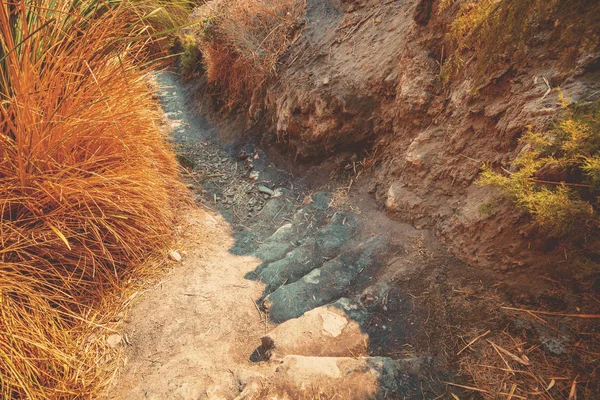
pixel 319 271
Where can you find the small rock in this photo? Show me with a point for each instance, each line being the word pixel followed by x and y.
pixel 266 304
pixel 267 343
pixel 175 256
pixel 118 317
pixel 266 190
pixel 264 351
pixel 113 340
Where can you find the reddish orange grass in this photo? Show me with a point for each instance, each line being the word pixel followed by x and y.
pixel 88 187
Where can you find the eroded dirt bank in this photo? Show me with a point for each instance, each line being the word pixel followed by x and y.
pixel 363 81
pixel 355 304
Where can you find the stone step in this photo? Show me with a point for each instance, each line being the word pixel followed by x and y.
pixel 322 285
pixel 358 378
pixel 333 330
pixel 276 246
pixel 315 212
pixel 300 261
pixel 289 236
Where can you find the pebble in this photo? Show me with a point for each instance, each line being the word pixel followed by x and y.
pixel 266 190
pixel 113 340
pixel 118 317
pixel 175 256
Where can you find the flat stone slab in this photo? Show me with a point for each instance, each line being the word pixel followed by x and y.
pixel 322 285
pixel 279 272
pixel 334 235
pixel 300 261
pixel 349 377
pixel 325 331
pixel 278 244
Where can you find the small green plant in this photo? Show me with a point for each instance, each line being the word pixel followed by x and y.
pixel 486 209
pixel 556 178
pixel 445 4
pixel 191 56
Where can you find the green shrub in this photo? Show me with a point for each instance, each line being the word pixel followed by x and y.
pixel 556 178
pixel 190 59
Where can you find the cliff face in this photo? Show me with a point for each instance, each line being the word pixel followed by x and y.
pixel 368 75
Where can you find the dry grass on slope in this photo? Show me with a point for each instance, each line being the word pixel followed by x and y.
pixel 88 188
pixel 241 42
pixel 496 34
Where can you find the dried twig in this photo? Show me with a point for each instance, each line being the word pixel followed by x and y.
pixel 573 392
pixel 473 342
pixel 523 360
pixel 467 387
pixel 585 316
pixel 502 357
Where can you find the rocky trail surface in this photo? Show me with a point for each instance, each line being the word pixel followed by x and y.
pixel 294 285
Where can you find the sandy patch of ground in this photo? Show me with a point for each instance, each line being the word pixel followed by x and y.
pixel 191 335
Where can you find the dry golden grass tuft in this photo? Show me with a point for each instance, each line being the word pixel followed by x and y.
pixel 88 188
pixel 241 42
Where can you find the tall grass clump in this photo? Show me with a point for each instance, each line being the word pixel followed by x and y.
pixel 159 21
pixel 88 187
pixel 241 42
pixel 495 33
pixel 556 178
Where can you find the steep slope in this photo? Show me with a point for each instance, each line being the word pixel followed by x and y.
pixel 379 83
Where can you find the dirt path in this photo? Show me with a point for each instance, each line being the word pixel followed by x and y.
pixel 298 287
pixel 190 334
pixel 274 259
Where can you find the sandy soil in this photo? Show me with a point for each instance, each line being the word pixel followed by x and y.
pixel 191 335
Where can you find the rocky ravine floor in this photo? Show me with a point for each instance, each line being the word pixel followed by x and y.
pixel 270 295
pixel 291 287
